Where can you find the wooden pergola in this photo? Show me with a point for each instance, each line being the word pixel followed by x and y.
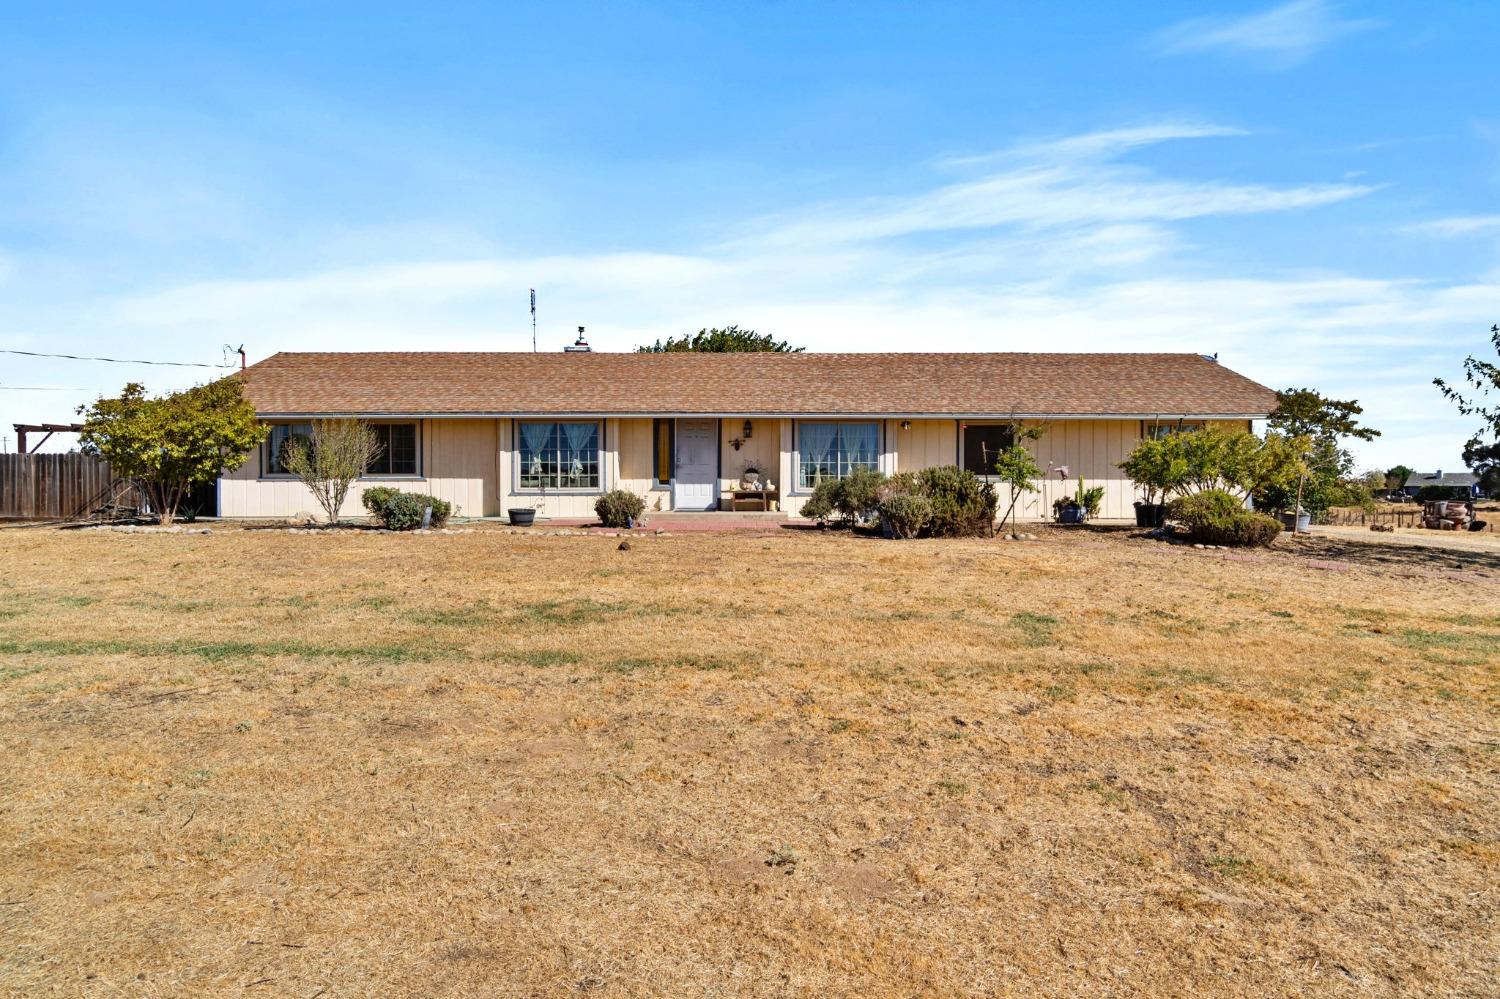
pixel 48 429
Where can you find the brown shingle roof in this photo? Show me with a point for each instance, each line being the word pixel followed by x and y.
pixel 752 384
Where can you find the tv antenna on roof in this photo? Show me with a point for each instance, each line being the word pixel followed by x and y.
pixel 533 320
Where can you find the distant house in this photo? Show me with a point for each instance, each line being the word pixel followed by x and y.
pixel 489 432
pixel 1459 485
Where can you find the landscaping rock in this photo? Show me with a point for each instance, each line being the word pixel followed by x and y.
pixel 624 546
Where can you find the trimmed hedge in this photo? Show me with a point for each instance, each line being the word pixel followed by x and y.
pixel 618 508
pixel 1214 517
pixel 402 511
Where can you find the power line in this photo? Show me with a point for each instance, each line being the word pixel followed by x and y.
pixel 38 388
pixel 116 360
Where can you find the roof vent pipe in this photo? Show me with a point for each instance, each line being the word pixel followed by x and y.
pixel 580 346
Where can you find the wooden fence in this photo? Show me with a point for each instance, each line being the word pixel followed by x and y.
pixel 1402 517
pixel 58 486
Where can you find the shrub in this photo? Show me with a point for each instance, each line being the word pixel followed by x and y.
pixel 820 505
pixel 852 498
pixel 1214 517
pixel 963 505
pixel 619 507
pixel 401 511
pixel 857 496
pixel 907 513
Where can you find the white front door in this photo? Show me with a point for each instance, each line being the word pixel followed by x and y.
pixel 695 467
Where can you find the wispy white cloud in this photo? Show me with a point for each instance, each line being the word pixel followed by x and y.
pixel 1284 36
pixel 1067 182
pixel 1459 225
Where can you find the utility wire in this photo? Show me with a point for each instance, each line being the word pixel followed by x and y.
pixel 116 360
pixel 37 388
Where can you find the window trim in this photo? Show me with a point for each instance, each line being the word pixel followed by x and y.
pixel 515 459
pixel 657 485
pixel 795 487
pixel 266 475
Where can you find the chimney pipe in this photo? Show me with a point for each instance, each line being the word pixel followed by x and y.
pixel 580 346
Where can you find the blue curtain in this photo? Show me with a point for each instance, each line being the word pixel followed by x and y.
pixel 533 443
pixel 580 438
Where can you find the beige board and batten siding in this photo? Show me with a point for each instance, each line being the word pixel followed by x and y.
pixel 456 458
pixel 761 451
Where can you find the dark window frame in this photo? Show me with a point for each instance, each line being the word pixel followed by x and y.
pixel 1157 429
pixel 416 451
pixel 1008 438
pixel 270 464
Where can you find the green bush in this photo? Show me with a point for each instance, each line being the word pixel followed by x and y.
pixel 820 505
pixel 1214 517
pixel 907 513
pixel 401 511
pixel 858 496
pixel 963 505
pixel 852 498
pixel 618 508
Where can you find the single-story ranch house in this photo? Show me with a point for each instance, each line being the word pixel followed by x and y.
pixel 493 431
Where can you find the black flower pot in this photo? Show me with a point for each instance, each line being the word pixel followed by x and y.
pixel 1150 514
pixel 521 518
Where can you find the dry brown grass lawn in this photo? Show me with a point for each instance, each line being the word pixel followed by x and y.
pixel 261 763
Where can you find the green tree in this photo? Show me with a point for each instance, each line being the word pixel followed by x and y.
pixel 1483 378
pixel 1017 468
pixel 1303 412
pixel 174 442
pixel 1397 476
pixel 729 340
pixel 1327 475
pixel 337 453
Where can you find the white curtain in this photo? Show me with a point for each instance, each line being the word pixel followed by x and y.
pixel 815 441
pixel 861 443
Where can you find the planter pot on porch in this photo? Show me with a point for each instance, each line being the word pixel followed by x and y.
pixel 1070 515
pixel 521 518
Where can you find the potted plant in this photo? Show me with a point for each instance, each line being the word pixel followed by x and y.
pixel 1067 510
pixel 525 516
pixel 1156 468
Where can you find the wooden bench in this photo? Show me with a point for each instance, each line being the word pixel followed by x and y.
pixel 756 499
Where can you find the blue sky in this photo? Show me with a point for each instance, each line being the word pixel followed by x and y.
pixel 1310 189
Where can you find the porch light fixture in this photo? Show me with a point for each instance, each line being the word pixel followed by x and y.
pixel 748 428
pixel 905 424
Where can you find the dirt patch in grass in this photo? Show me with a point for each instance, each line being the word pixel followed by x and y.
pixel 791 764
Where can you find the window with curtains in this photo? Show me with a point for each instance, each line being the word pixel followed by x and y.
pixel 661 450
pixel 833 450
pixel 398 449
pixel 558 455
pixel 282 435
